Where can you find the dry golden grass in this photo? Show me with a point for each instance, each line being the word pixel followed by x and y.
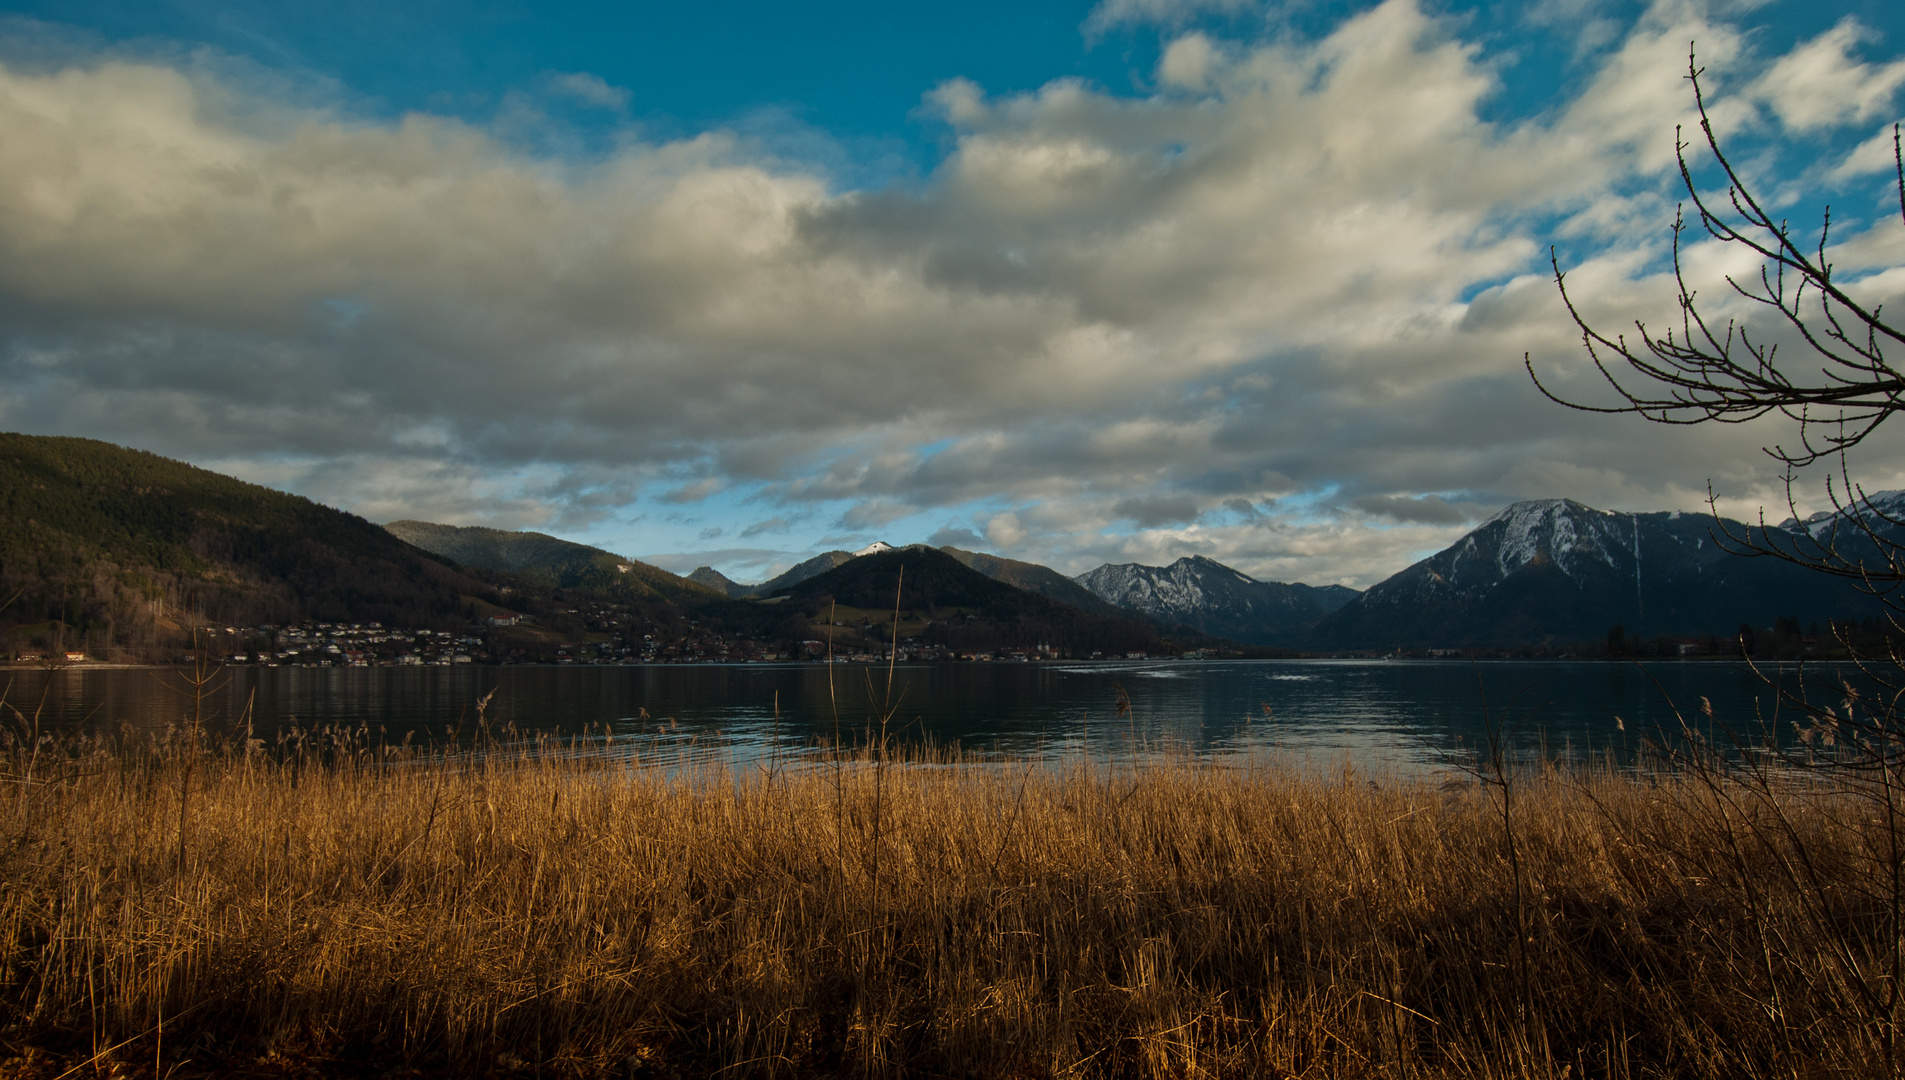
pixel 375 912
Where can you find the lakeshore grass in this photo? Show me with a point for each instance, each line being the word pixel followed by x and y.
pixel 175 909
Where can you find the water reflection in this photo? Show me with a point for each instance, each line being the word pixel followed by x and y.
pixel 1395 714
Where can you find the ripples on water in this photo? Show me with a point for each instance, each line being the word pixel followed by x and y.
pixel 1380 713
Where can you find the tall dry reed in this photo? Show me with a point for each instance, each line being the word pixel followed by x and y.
pixel 171 908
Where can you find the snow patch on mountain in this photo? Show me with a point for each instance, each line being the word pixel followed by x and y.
pixel 1562 529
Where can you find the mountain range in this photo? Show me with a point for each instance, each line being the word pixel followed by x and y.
pixel 1555 571
pixel 999 602
pixel 126 550
pixel 1046 582
pixel 995 602
pixel 125 555
pixel 1541 573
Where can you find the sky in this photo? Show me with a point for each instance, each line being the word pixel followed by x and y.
pixel 1074 283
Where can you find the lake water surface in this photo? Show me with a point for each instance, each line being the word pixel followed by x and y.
pixel 1405 714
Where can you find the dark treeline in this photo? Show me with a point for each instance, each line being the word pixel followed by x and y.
pixel 1786 639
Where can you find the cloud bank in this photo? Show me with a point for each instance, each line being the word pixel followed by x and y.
pixel 1273 312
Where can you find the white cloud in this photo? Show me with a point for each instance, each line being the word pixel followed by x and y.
pixel 591 90
pixel 1820 84
pixel 1005 531
pixel 1875 155
pixel 1187 62
pixel 1113 13
pixel 1589 24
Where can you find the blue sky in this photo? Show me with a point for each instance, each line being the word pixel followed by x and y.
pixel 1071 282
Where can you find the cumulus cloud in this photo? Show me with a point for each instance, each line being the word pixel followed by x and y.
pixel 1590 24
pixel 873 513
pixel 1305 271
pixel 955 536
pixel 1006 531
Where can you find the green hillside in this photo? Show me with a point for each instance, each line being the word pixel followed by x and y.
pixel 111 550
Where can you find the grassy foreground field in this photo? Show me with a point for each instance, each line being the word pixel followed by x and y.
pixel 175 909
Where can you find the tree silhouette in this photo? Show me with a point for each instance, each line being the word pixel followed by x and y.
pixel 1836 392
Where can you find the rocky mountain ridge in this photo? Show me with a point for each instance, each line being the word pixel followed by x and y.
pixel 1203 593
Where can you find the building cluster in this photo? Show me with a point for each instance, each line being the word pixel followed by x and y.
pixel 341 645
pixel 693 647
pixel 911 650
pixel 593 634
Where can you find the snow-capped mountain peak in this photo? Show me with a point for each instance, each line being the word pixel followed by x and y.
pixel 1215 598
pixel 1569 534
pixel 1574 547
pixel 1555 571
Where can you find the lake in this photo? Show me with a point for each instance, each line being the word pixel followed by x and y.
pixel 1396 714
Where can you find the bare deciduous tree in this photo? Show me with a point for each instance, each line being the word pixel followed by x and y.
pixel 1836 386
pixel 1836 391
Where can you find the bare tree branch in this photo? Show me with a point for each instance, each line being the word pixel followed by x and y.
pixel 1702 373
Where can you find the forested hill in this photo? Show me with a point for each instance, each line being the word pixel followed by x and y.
pixel 944 604
pixel 541 559
pixel 1042 580
pixel 117 550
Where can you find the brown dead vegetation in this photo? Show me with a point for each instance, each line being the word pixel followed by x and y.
pixel 172 908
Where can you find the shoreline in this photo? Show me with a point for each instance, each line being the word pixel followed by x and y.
pixel 92 665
